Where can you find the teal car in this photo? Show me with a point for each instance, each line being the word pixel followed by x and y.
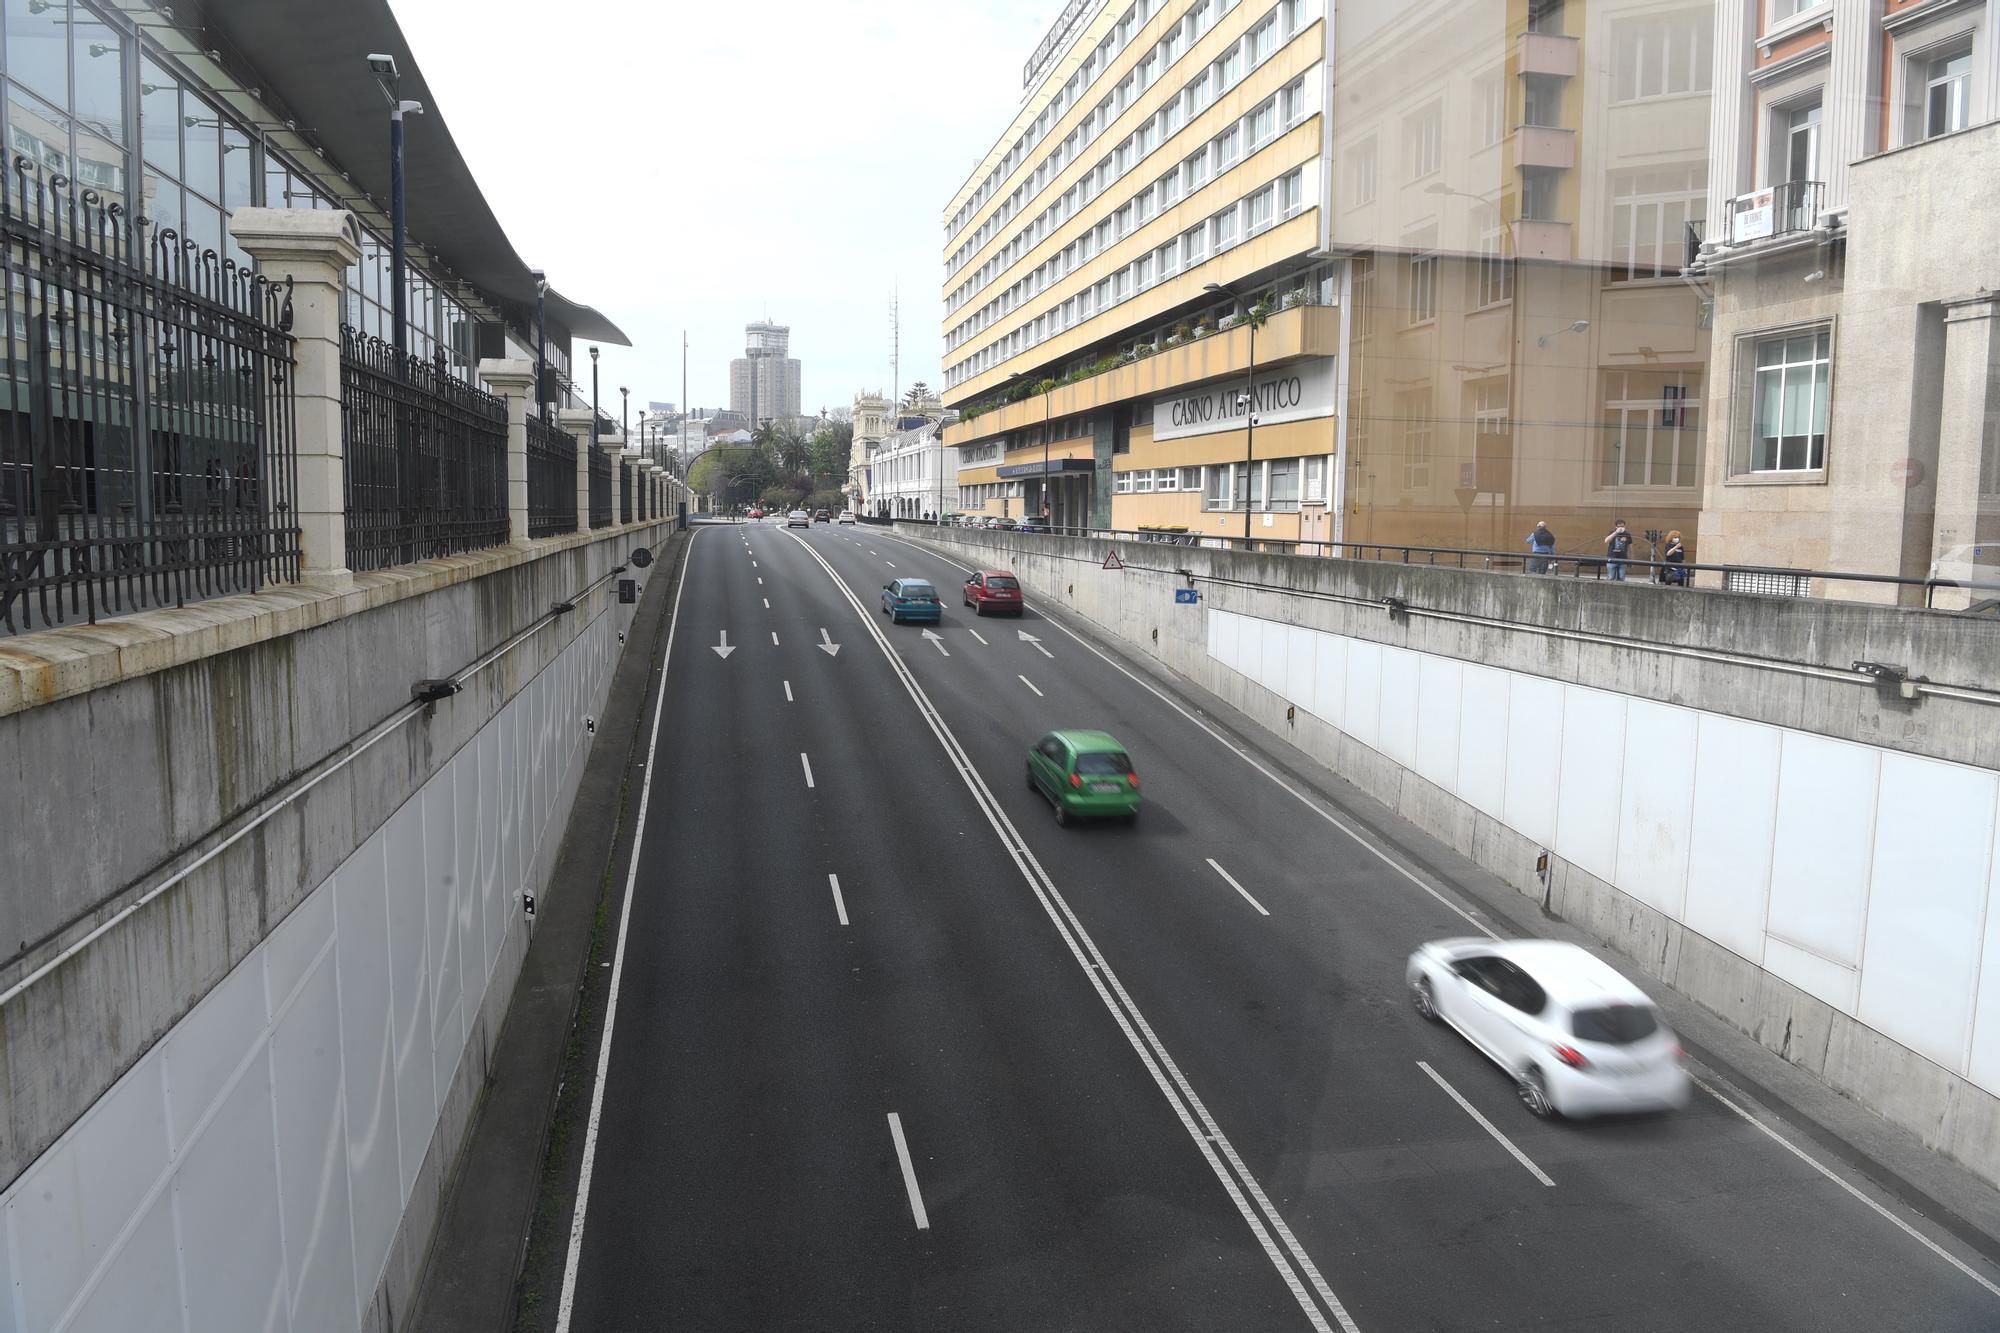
pixel 1084 774
pixel 912 599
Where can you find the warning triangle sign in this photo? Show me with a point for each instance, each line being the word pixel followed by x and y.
pixel 1111 560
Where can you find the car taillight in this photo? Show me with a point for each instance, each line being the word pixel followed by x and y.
pixel 1132 778
pixel 1075 781
pixel 1571 1056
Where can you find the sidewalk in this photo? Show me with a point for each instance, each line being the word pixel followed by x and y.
pixel 479 1266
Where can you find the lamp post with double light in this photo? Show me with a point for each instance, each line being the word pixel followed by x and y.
pixel 383 67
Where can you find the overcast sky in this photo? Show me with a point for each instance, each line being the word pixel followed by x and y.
pixel 704 165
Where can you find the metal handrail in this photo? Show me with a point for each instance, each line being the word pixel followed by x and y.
pixel 1557 564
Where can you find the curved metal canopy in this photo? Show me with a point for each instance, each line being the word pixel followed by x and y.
pixel 314 56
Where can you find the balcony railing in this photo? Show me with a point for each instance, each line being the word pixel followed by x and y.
pixel 551 480
pixel 1776 210
pixel 147 455
pixel 426 457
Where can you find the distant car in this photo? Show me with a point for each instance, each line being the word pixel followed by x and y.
pixel 993 590
pixel 1577 1038
pixel 821 516
pixel 912 599
pixel 1084 773
pixel 798 518
pixel 1974 567
pixel 755 513
pixel 847 516
pixel 1031 525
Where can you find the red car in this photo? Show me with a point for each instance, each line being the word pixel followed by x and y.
pixel 755 513
pixel 993 590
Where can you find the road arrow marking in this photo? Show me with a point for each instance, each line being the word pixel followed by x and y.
pixel 939 641
pixel 826 643
pixel 1029 638
pixel 722 650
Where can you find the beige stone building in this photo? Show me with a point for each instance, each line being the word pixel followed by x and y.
pixel 1852 254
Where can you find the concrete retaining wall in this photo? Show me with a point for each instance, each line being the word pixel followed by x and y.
pixel 241 1084
pixel 1724 801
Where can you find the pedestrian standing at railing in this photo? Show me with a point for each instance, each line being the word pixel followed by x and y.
pixel 1618 545
pixel 1673 572
pixel 1542 543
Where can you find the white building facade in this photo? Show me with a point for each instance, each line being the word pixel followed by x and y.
pixel 913 474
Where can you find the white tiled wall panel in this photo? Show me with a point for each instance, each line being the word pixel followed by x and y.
pixel 1866 877
pixel 250 1171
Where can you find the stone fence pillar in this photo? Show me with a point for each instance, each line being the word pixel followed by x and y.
pixel 514 380
pixel 576 420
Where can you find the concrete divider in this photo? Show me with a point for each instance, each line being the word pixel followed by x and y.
pixel 1807 849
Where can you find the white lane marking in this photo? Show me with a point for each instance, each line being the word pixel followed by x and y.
pixel 1826 1171
pixel 1031 685
pixel 807 765
pixel 1035 642
pixel 1238 887
pixel 760 580
pixel 909 1173
pixel 977 635
pixel 1477 924
pixel 839 903
pixel 767 604
pixel 1486 1125
pixel 937 639
pixel 567 1302
pixel 788 691
pixel 774 638
pixel 1264 1220
pixel 890 563
pixel 753 564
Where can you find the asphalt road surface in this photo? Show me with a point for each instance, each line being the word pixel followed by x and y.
pixel 892 1050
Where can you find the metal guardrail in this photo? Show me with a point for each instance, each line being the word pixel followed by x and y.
pixel 426 457
pixel 1764 579
pixel 147 450
pixel 551 479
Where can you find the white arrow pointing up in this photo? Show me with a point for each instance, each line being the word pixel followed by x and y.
pixel 826 643
pixel 1029 638
pixel 722 650
pixel 939 641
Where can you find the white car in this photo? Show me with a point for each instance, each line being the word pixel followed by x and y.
pixel 846 516
pixel 798 518
pixel 1577 1038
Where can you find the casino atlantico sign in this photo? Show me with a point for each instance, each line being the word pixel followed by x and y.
pixel 1295 391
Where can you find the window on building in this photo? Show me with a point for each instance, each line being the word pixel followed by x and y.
pixel 1190 479
pixel 1263 40
pixel 1650 213
pixel 1493 275
pixel 1784 9
pixel 1423 140
pixel 1361 172
pixel 1121 483
pixel 1145 205
pixel 1292 192
pixel 1196 169
pixel 1262 205
pixel 1197 93
pixel 1545 16
pixel 1538 195
pixel 1263 123
pixel 1194 243
pixel 1489 108
pixel 1421 296
pixel 1663 55
pixel 1315 488
pixel 1650 436
pixel 1228 147
pixel 1542 100
pixel 1284 483
pixel 1225 229
pixel 1790 392
pixel 1947 93
pixel 1142 481
pixel 1801 142
pixel 1413 411
pixel 1229 68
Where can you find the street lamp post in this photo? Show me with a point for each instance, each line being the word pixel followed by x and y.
pixel 624 411
pixel 1250 406
pixel 541 347
pixel 383 67
pixel 593 398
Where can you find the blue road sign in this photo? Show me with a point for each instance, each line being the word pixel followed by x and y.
pixel 1186 596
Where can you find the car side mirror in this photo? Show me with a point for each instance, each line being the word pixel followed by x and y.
pixel 888 587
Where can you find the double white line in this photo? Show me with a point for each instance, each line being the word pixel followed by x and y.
pixel 1285 1252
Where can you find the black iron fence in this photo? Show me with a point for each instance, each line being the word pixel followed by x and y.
pixel 146 416
pixel 600 488
pixel 426 458
pixel 551 479
pixel 624 492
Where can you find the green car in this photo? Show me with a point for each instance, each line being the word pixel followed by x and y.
pixel 1084 773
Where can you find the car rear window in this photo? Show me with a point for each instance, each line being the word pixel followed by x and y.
pixel 918 592
pixel 1615 1024
pixel 1103 761
pixel 1001 583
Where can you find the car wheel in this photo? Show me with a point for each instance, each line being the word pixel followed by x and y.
pixel 1533 1090
pixel 1062 812
pixel 895 619
pixel 1425 1003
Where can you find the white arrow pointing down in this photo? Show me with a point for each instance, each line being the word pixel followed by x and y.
pixel 939 641
pixel 1029 638
pixel 826 643
pixel 722 650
